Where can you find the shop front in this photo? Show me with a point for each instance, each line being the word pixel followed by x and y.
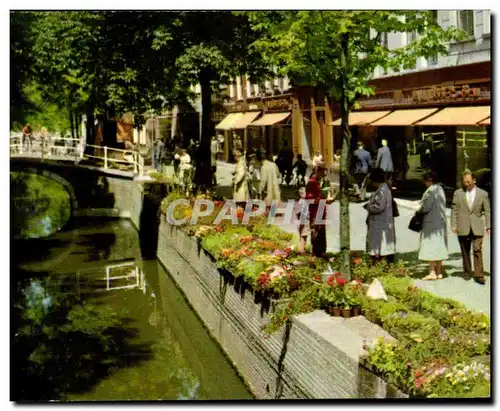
pixel 442 122
pixel 259 123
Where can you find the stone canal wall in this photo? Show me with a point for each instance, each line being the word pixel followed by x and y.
pixel 125 200
pixel 316 356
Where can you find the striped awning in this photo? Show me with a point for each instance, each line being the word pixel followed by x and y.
pixel 361 118
pixel 457 116
pixel 270 119
pixel 404 117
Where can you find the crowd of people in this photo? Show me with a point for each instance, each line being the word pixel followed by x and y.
pixel 261 176
pixel 470 212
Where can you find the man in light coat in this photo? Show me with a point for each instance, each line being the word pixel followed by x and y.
pixel 470 204
pixel 269 181
pixel 384 161
pixel 240 184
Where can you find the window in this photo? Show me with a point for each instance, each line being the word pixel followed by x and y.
pixel 466 21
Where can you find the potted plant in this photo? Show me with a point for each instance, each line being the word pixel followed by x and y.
pixel 353 292
pixel 330 299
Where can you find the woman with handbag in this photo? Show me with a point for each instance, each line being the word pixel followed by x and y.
pixel 381 233
pixel 434 234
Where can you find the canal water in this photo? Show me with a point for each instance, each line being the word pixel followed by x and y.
pixel 91 320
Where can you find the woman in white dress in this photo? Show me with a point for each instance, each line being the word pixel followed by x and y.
pixel 434 235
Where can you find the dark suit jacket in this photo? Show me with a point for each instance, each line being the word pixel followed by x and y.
pixel 464 219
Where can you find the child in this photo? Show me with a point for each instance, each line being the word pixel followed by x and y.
pixel 302 213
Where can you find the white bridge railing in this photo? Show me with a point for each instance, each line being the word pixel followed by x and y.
pixel 74 149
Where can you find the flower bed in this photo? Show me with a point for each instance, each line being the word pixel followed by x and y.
pixel 438 340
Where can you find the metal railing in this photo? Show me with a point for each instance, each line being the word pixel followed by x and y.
pixel 74 149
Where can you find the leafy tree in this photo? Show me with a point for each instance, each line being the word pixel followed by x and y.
pixel 101 63
pixel 338 51
pixel 20 66
pixel 209 48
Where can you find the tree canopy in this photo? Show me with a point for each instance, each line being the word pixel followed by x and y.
pixel 339 51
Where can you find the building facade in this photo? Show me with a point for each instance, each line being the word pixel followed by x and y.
pixel 438 113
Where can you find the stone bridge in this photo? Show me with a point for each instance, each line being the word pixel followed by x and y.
pixel 93 191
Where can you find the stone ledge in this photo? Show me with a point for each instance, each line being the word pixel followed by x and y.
pixel 319 356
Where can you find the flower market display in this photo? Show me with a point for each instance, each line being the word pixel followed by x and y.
pixel 441 349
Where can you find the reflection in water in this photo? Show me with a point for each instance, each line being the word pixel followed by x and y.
pixel 108 329
pixel 39 205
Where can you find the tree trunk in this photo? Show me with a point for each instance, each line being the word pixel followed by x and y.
pixel 90 129
pixel 71 123
pixel 203 176
pixel 76 124
pixel 345 240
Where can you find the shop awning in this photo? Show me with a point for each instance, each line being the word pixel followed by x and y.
pixel 404 117
pixel 485 122
pixel 270 119
pixel 229 120
pixel 361 118
pixel 457 116
pixel 245 119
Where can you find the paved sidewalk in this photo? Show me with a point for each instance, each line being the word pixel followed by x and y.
pixel 471 294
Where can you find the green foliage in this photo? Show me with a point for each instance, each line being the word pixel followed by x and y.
pixel 337 52
pixel 40 206
pixel 306 45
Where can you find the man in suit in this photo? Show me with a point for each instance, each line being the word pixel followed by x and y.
pixel 384 162
pixel 470 203
pixel 362 164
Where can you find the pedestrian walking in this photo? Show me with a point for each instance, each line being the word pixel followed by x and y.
pixel 177 159
pixel 381 233
pixel 185 170
pixel 27 137
pixel 384 162
pixel 362 164
pixel 434 235
pixel 314 193
pixel 301 169
pixel 214 149
pixel 302 214
pixel 269 181
pixel 240 184
pixel 253 177
pixel 285 162
pixel 158 150
pixel 470 205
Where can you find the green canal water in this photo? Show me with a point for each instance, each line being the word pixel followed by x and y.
pixel 92 321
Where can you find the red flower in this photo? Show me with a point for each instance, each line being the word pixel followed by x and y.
pixel 357 260
pixel 263 280
pixel 418 373
pixel 341 281
pixel 336 273
pixel 318 278
pixel 419 382
pixel 288 250
pixel 218 229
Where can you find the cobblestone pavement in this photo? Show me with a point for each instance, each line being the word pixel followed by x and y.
pixel 473 295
